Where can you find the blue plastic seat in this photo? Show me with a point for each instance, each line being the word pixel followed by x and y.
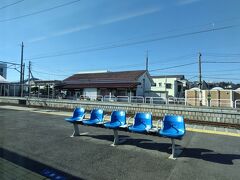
pixel 118 118
pixel 142 123
pixel 78 115
pixel 95 117
pixel 173 127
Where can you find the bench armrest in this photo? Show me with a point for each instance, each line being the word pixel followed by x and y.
pixel 128 119
pixel 159 122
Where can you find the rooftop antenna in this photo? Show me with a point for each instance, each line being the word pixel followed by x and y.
pixel 147 61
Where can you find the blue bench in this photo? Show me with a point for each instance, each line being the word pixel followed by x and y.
pixel 78 116
pixel 173 126
pixel 117 120
pixel 142 123
pixel 96 117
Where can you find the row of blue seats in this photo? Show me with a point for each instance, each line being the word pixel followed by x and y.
pixel 173 126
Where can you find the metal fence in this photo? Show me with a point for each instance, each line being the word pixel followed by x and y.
pixel 237 103
pixel 13 91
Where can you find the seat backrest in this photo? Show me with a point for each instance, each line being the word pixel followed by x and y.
pixel 173 121
pixel 119 116
pixel 143 118
pixel 97 114
pixel 78 112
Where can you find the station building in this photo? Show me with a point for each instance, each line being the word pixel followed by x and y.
pixel 106 83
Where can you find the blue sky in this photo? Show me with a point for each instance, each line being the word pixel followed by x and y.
pixel 82 28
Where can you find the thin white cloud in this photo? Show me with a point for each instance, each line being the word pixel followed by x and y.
pixel 186 2
pixel 104 22
pixel 130 15
pixel 60 33
pixel 36 39
pixel 72 30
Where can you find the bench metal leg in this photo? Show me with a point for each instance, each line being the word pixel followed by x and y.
pixel 76 130
pixel 116 140
pixel 173 150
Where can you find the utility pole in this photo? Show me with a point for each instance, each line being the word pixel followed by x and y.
pixel 21 72
pixel 200 70
pixel 200 77
pixel 147 61
pixel 144 83
pixel 29 77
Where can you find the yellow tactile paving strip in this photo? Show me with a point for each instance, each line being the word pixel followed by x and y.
pixel 66 114
pixel 213 132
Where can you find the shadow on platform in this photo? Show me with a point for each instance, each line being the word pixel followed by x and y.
pixel 35 166
pixel 209 155
pixel 197 153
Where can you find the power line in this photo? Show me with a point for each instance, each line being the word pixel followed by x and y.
pixel 219 70
pixel 172 30
pixel 168 60
pixel 41 72
pixel 212 77
pixel 221 62
pixel 131 65
pixel 12 4
pixel 192 77
pixel 39 12
pixel 171 67
pixel 225 70
pixel 222 54
pixel 136 42
pixel 6 62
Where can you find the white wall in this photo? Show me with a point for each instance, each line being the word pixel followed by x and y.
pixel 163 81
pixel 147 83
pixel 91 92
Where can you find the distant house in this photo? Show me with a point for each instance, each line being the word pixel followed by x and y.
pixel 92 84
pixel 3 83
pixel 169 86
pixel 215 97
pixel 2 80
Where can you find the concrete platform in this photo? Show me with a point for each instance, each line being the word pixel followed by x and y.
pixel 39 143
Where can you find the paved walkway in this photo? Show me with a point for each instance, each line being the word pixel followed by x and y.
pixel 9 170
pixel 36 143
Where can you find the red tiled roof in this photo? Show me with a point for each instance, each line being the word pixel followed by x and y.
pixel 99 85
pixel 123 79
pixel 109 76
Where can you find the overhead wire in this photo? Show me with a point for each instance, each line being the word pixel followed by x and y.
pixel 40 11
pixel 172 59
pixel 221 62
pixel 42 72
pixel 222 54
pixel 135 42
pixel 171 67
pixel 12 4
pixel 222 78
pixel 172 30
pixel 9 62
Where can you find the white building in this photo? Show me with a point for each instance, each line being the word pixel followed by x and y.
pixel 168 86
pixel 3 70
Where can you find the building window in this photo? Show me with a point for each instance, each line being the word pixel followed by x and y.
pixel 160 84
pixel 1 72
pixel 155 84
pixel 168 86
pixel 179 88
